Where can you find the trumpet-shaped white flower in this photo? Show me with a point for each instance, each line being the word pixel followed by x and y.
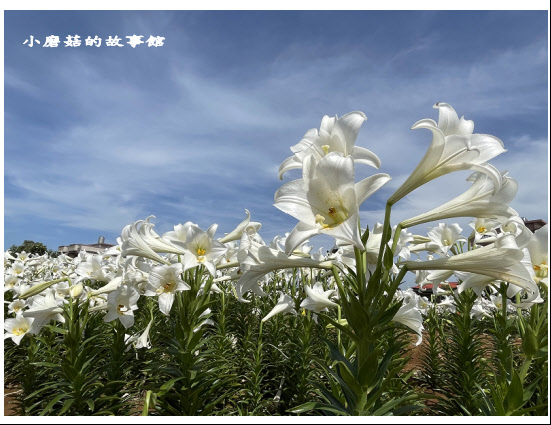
pixel 10 281
pixel 482 308
pixel 251 227
pixel 140 240
pixel 7 258
pixel 121 305
pixel 482 200
pixel 179 233
pixel 326 200
pixel 515 226
pixel 164 282
pixel 335 135
pixel 144 341
pixel 484 228
pixel 93 268
pixel 16 306
pixel 444 237
pixel 113 285
pixel 499 261
pixel 258 264
pixel 201 248
pixel 17 268
pixel 529 304
pixel 285 304
pixel 447 304
pixel 45 308
pixel 497 301
pixel 17 328
pixel 317 299
pixel 410 316
pixel 539 254
pixel 454 147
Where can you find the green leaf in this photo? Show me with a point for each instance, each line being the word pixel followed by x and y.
pixel 307 407
pixel 68 403
pixel 52 403
pixel 515 394
pixel 90 404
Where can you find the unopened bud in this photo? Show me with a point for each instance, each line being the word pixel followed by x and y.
pixel 76 290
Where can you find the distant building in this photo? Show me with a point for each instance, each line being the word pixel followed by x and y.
pixel 426 290
pixel 73 250
pixel 534 225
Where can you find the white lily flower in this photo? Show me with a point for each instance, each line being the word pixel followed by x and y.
pixel 484 228
pixel 326 200
pixel 482 200
pixel 265 260
pixel 113 285
pixel 447 304
pixel 121 305
pixel 539 254
pixel 246 225
pixel 140 240
pixel 454 147
pixel 499 261
pixel 16 306
pixel 17 328
pixel 94 268
pixel 44 309
pixel 515 226
pixel 285 304
pixel 143 340
pixel 317 299
pixel 497 301
pixel 17 268
pixel 165 281
pixel 482 308
pixel 8 257
pixel 10 281
pixel 402 249
pixel 410 316
pixel 179 233
pixel 528 304
pixel 476 282
pixel 201 248
pixel 444 237
pixel 335 135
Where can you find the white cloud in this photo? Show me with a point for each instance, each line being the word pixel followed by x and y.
pixel 204 148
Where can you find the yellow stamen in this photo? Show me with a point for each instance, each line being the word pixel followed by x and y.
pixel 200 252
pixel 321 221
pixel 325 148
pixel 481 229
pixel 19 331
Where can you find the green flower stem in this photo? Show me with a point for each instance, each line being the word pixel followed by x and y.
pixel 338 280
pixel 338 330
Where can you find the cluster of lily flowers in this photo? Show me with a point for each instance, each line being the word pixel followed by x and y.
pixel 326 200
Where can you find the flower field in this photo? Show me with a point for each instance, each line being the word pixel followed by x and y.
pixel 207 322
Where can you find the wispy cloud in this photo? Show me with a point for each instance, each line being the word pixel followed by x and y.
pixel 112 139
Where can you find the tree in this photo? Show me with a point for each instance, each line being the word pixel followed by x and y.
pixel 30 247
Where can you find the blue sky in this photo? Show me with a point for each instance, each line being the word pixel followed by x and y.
pixel 195 130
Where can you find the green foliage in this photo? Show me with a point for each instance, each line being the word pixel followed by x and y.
pixel 30 247
pixel 347 363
